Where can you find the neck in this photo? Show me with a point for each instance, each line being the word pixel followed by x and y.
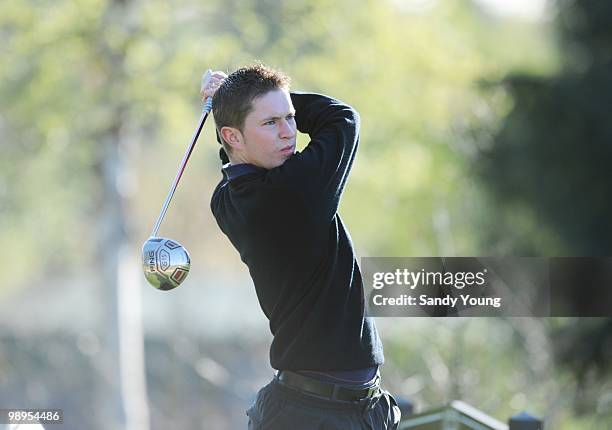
pixel 237 159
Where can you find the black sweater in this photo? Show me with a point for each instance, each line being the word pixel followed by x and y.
pixel 284 224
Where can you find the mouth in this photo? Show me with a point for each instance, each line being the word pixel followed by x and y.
pixel 289 149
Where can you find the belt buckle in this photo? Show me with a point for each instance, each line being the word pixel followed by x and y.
pixel 371 392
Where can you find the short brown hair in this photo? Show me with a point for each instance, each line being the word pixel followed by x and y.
pixel 233 101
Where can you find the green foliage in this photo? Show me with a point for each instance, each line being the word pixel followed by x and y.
pixel 548 167
pixel 46 142
pixel 551 155
pixel 70 68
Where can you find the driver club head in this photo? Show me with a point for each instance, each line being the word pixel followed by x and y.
pixel 165 263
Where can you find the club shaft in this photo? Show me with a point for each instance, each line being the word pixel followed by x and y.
pixel 205 111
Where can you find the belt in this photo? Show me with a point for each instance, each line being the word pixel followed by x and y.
pixel 327 390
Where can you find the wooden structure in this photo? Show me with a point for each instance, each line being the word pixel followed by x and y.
pixel 460 416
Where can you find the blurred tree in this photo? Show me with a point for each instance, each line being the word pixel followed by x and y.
pixel 409 68
pixel 585 347
pixel 64 142
pixel 550 163
pixel 122 359
pixel 552 153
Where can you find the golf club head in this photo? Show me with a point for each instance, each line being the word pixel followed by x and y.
pixel 165 263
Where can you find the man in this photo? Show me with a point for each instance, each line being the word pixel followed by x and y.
pixel 278 207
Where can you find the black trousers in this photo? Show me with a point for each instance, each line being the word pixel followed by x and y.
pixel 280 407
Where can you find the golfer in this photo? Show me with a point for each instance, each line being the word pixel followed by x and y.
pixel 278 207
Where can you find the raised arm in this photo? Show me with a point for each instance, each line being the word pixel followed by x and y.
pixel 321 170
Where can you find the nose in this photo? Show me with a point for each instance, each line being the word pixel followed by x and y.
pixel 286 129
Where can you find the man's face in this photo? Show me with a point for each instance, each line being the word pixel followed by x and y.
pixel 269 130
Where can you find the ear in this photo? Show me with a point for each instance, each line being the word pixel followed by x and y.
pixel 232 136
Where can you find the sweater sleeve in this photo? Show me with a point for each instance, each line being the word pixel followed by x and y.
pixel 321 170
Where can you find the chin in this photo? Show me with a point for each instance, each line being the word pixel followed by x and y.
pixel 268 165
pixel 280 163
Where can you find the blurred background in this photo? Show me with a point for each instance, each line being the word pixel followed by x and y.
pixel 485 132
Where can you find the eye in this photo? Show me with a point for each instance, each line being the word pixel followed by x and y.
pixel 290 117
pixel 271 122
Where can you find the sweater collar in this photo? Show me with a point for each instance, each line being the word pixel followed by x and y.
pixel 234 171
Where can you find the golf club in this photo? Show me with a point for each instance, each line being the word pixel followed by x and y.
pixel 166 262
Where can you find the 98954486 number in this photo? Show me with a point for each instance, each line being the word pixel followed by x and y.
pixel 31 416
